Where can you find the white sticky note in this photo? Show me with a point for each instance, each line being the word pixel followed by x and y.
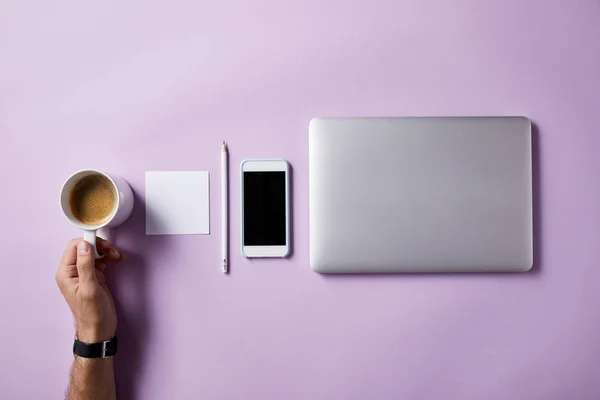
pixel 177 202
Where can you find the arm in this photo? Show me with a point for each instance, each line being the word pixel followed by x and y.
pixel 92 378
pixel 83 284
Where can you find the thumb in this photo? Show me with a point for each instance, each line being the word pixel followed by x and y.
pixel 85 262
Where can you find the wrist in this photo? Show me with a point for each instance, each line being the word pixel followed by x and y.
pixel 102 349
pixel 94 334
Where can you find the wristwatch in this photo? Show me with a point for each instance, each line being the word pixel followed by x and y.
pixel 105 349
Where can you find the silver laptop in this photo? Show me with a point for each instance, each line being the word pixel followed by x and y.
pixel 393 195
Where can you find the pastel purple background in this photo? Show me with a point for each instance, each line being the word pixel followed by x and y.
pixel 141 85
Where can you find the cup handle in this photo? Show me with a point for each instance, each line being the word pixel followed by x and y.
pixel 90 237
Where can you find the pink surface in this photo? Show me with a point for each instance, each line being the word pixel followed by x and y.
pixel 135 86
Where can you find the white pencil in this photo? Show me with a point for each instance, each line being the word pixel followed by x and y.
pixel 224 208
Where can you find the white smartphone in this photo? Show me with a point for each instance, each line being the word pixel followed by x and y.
pixel 265 208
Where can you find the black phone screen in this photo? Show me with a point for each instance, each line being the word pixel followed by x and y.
pixel 264 208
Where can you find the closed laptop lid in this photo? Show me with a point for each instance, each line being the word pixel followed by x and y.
pixel 434 194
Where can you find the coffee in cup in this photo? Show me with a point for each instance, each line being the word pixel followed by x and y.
pixel 92 199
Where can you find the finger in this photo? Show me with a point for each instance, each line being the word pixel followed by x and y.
pixel 70 254
pixel 101 278
pixel 100 266
pixel 108 249
pixel 102 244
pixel 112 254
pixel 86 264
pixel 66 268
pixel 66 272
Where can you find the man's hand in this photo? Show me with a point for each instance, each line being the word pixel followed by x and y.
pixel 83 284
pixel 81 281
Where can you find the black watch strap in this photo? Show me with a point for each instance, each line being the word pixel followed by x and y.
pixel 104 349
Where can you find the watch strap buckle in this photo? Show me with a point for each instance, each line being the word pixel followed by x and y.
pixel 103 353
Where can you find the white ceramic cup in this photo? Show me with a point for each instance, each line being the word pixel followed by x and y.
pixel 119 214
